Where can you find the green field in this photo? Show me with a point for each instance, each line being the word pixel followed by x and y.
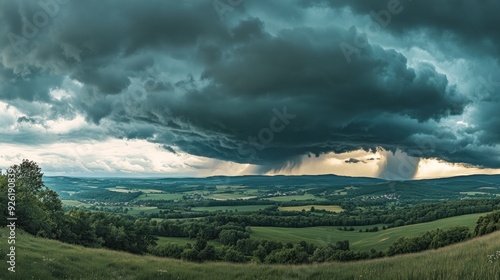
pixel 75 203
pixel 331 208
pixel 340 193
pixel 127 190
pixel 230 195
pixel 176 240
pixel 182 241
pixel 242 208
pixel 160 196
pixel 135 209
pixel 38 258
pixel 295 197
pixel 225 193
pixel 380 240
pixel 121 190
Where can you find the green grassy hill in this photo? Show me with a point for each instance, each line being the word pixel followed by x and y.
pixel 380 240
pixel 39 258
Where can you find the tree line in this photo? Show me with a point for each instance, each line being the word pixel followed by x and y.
pixel 39 212
pixel 420 213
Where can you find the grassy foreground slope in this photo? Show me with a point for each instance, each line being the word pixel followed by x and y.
pixel 39 258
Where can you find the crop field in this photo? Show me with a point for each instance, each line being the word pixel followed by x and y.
pixel 74 203
pixel 240 208
pixel 127 190
pixel 331 208
pixel 229 196
pixel 294 197
pixel 160 196
pixel 146 209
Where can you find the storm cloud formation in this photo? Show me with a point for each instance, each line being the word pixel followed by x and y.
pixel 266 83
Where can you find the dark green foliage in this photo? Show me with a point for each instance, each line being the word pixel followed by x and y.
pixel 340 252
pixel 429 240
pixel 234 256
pixel 487 224
pixel 39 212
pixel 231 236
pixel 107 196
pixel 342 245
pixel 168 250
pixel 419 213
pixel 37 208
pixel 247 246
pixel 190 255
pixel 294 255
pixel 260 253
pixel 208 253
pixel 111 231
pixel 200 244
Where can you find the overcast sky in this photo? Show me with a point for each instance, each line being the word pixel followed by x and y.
pixel 382 88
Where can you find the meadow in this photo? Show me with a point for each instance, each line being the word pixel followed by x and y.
pixel 379 240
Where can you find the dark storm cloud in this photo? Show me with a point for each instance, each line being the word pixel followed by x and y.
pixel 30 86
pixel 353 160
pixel 177 75
pixel 25 119
pixel 95 42
pixel 335 106
pixel 472 25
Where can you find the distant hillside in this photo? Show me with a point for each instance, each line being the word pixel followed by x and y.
pixel 45 259
pixel 469 179
pixel 252 180
pixel 435 189
pixel 261 180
